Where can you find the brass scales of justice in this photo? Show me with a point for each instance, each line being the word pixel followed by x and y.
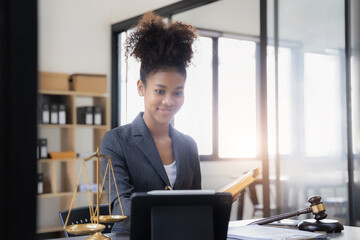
pixel 95 227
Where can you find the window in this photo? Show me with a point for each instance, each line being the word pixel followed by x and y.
pixel 237 98
pixel 233 97
pixel 195 117
pixel 323 92
pixel 285 106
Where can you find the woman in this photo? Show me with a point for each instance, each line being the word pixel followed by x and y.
pixel 149 154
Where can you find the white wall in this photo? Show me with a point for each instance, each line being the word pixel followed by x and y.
pixel 74 35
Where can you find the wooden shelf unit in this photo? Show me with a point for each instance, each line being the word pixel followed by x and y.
pixel 61 175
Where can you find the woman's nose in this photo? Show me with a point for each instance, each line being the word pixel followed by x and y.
pixel 168 100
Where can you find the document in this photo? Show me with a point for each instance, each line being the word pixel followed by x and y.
pixel 257 232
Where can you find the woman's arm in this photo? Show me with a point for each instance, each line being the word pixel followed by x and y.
pixel 111 146
pixel 197 172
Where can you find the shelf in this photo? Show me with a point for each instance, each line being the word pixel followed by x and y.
pixel 73 93
pixel 49 229
pixel 60 194
pixel 72 126
pixel 92 126
pixel 60 175
pixel 48 160
pixel 55 92
pixel 90 94
pixel 56 125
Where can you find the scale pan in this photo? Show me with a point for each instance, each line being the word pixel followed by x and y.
pixel 111 218
pixel 84 229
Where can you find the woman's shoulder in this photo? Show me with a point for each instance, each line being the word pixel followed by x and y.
pixel 119 132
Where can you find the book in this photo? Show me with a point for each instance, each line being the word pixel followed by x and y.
pixel 256 232
pixel 62 155
pixel 241 182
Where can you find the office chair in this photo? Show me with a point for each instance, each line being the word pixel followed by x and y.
pixel 81 215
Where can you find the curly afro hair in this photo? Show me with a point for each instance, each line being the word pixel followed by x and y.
pixel 159 44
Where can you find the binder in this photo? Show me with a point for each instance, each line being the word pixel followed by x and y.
pixel 45 114
pixel 40 181
pixel 37 149
pixel 54 114
pixel 97 115
pixel 62 114
pixel 43 148
pixel 85 115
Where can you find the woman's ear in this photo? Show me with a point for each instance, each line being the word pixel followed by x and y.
pixel 140 88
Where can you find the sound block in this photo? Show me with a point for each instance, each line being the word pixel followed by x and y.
pixel 328 225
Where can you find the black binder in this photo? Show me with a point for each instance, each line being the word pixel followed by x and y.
pixel 62 114
pixel 43 148
pixel 97 115
pixel 45 114
pixel 85 115
pixel 179 215
pixel 54 119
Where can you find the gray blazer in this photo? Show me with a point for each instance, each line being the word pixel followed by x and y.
pixel 138 167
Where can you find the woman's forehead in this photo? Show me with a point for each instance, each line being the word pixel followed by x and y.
pixel 167 78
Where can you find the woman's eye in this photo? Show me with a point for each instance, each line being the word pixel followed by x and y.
pixel 178 93
pixel 159 91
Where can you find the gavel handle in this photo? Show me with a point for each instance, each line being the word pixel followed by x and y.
pixel 281 216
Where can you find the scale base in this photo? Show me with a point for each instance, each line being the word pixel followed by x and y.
pixel 328 225
pixel 98 236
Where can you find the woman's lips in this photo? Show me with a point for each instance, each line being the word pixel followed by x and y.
pixel 166 110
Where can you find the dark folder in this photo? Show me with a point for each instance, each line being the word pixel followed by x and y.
pixel 97 115
pixel 85 115
pixel 62 114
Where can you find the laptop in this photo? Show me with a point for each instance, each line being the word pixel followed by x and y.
pixel 180 214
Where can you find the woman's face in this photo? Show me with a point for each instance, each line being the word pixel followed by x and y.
pixel 163 95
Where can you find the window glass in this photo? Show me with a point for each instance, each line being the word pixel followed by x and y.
pixel 131 102
pixel 312 106
pixel 285 98
pixel 271 100
pixel 237 98
pixel 323 93
pixel 195 117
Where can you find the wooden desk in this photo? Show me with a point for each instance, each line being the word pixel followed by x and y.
pixel 349 233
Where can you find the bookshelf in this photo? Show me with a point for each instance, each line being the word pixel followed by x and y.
pixel 60 175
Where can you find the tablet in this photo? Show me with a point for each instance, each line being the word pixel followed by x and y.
pixel 180 214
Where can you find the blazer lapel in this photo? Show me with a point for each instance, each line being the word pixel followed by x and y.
pixel 180 156
pixel 146 144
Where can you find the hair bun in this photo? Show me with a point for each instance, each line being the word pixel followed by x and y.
pixel 156 42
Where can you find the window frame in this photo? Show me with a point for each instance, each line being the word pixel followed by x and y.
pixel 215 35
pixel 118 28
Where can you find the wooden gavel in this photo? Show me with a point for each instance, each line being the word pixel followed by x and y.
pixel 317 207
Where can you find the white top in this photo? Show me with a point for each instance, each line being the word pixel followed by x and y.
pixel 171 172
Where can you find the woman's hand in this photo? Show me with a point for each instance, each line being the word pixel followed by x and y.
pixel 236 196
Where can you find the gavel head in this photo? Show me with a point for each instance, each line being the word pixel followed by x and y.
pixel 317 207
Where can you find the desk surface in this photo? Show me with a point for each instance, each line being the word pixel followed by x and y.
pixel 349 233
